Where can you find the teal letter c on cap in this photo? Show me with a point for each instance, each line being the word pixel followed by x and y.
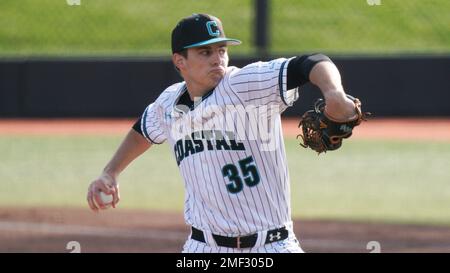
pixel 213 29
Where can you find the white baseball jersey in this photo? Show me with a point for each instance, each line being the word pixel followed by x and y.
pixel 229 148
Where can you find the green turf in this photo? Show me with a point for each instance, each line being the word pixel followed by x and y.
pixel 133 27
pixel 354 26
pixel 57 171
pixel 137 27
pixel 390 181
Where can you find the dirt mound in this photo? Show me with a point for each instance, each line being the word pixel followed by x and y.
pixel 377 128
pixel 120 230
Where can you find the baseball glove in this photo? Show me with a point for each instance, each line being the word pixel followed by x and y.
pixel 321 133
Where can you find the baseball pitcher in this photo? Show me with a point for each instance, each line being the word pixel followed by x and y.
pixel 224 128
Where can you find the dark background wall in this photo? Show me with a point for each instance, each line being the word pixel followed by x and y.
pixel 388 86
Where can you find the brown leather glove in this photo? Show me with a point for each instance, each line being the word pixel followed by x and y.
pixel 321 133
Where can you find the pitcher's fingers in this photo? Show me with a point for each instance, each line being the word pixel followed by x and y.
pixel 90 198
pixel 102 186
pixel 91 202
pixel 116 196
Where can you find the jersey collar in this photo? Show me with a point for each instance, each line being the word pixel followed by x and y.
pixel 184 100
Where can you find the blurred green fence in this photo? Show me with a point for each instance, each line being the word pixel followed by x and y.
pixel 142 27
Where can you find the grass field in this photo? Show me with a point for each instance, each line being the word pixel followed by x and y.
pixel 136 27
pixel 391 181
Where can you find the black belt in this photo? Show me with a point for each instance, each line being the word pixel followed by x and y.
pixel 274 235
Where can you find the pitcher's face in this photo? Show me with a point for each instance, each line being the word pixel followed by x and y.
pixel 205 66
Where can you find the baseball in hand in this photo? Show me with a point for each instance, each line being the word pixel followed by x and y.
pixel 106 198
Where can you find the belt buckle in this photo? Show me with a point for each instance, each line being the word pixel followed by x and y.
pixel 238 242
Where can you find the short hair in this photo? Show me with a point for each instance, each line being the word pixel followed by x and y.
pixel 184 53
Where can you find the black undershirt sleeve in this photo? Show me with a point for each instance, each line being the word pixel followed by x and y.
pixel 299 68
pixel 137 126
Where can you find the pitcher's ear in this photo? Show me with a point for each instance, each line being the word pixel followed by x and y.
pixel 178 60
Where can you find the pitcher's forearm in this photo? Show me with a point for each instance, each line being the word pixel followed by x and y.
pixel 131 147
pixel 327 77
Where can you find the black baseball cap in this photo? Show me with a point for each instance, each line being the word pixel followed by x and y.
pixel 199 30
